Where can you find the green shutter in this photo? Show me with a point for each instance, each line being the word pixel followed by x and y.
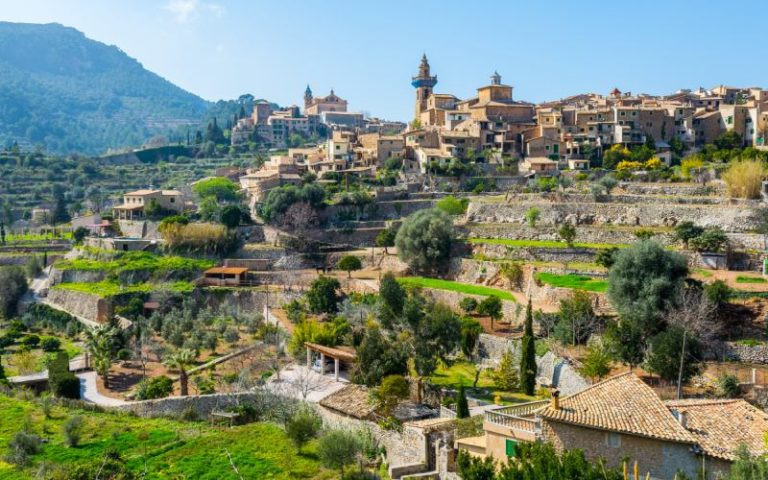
pixel 511 448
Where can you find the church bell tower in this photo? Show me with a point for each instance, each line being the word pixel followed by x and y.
pixel 423 83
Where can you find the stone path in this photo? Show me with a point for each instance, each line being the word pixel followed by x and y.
pixel 90 393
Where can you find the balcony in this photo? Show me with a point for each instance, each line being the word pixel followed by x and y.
pixel 517 421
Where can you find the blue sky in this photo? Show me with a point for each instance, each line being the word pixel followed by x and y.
pixel 367 50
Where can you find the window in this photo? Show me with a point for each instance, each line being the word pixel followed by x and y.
pixel 613 440
pixel 173 200
pixel 510 447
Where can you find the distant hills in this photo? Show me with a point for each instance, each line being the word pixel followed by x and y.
pixel 69 93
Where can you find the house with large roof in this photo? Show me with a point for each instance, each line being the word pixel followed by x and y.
pixel 623 418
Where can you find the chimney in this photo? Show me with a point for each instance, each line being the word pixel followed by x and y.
pixel 555 401
pixel 682 417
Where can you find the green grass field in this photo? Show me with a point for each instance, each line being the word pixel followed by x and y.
pixel 578 282
pixel 748 279
pixel 168 448
pixel 541 243
pixel 463 373
pixel 107 288
pixel 469 289
pixel 132 261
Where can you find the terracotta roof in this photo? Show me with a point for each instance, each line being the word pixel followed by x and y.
pixel 225 271
pixel 352 400
pixel 623 403
pixel 720 426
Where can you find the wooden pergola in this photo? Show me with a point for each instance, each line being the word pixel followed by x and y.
pixel 338 354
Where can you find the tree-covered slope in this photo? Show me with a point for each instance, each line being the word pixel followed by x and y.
pixel 70 93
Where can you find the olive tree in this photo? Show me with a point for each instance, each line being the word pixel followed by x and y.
pixel 424 240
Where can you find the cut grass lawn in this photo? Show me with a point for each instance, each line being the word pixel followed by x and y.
pixel 467 288
pixel 578 282
pixel 542 243
pixel 107 288
pixel 170 448
pixel 463 373
pixel 748 279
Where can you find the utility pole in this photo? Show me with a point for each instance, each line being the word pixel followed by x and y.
pixel 680 371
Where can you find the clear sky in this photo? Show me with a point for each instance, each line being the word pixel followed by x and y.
pixel 367 50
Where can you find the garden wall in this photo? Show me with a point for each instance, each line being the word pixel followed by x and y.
pixel 584 234
pixel 738 352
pixel 86 305
pixel 174 406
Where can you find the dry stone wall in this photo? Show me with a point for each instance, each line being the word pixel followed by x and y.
pixel 86 305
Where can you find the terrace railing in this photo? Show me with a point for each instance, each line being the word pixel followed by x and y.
pixel 517 417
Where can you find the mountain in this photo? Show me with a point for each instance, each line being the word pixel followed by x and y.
pixel 69 93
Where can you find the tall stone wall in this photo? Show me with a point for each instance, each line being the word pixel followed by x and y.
pixel 86 305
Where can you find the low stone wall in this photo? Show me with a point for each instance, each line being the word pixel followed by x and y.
pixel 174 406
pixel 731 216
pixel 76 276
pixel 737 352
pixel 584 233
pixel 86 305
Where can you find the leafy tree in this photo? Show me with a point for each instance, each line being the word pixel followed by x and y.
pixel 424 240
pixel 13 284
pixel 567 233
pixel 687 231
pixel 596 364
pixel 470 332
pixel 606 257
pixel 393 389
pixel 532 216
pixel 349 263
pixel 303 427
pixel 435 333
pixel 155 387
pixel 462 407
pixel 506 375
pixel 608 182
pixel 712 240
pixel 338 448
pixel 230 216
pixel 528 354
pixel 377 357
pixel 181 360
pixel 392 294
pixel 220 188
pixel 468 304
pixel 719 293
pixel 626 342
pixel 577 320
pixel 322 296
pixel 664 357
pixel 644 283
pixel 386 239
pixel 747 466
pixel 728 140
pixel 490 306
pixel 79 234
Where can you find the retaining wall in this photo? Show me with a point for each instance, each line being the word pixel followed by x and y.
pixel 87 305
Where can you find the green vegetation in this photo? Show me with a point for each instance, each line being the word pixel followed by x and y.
pixel 748 279
pixel 168 448
pixel 463 373
pixel 452 205
pixel 424 240
pixel 579 282
pixel 455 287
pixel 108 288
pixel 541 243
pixel 135 261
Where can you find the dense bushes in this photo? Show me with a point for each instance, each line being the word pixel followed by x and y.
pixel 155 387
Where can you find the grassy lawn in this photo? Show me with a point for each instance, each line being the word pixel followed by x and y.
pixel 132 261
pixel 170 449
pixel 107 288
pixel 467 288
pixel 541 243
pixel 702 272
pixel 463 372
pixel 579 282
pixel 748 279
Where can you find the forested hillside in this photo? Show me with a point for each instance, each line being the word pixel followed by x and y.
pixel 68 93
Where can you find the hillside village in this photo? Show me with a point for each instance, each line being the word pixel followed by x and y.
pixel 496 289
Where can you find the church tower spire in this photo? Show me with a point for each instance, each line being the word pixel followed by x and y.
pixel 423 82
pixel 307 97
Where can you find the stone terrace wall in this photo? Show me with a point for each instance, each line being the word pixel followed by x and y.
pixel 89 306
pixel 736 216
pixel 585 233
pixel 744 353
pixel 174 406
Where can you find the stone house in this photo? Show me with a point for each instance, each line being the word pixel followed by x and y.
pixel 623 418
pixel 135 202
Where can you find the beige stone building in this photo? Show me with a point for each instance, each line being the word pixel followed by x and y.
pixel 135 202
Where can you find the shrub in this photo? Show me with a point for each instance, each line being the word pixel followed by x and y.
pixel 468 304
pixel 606 257
pixel 744 178
pixel 728 386
pixel 712 240
pixel 392 390
pixel 338 448
pixel 322 296
pixel 303 427
pixel 350 263
pixel 718 292
pixel 31 341
pixel 79 235
pixel 50 344
pixel 21 447
pixel 452 205
pixel 506 376
pixel 689 166
pixel 156 387
pixel 514 273
pixel 567 233
pixel 73 430
pixel 532 216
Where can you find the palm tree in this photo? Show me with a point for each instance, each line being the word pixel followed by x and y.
pixel 100 342
pixel 181 360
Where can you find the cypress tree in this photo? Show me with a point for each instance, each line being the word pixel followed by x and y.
pixel 528 357
pixel 462 407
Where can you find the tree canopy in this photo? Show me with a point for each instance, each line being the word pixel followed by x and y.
pixel 424 240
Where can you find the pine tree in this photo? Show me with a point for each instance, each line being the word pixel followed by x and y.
pixel 462 407
pixel 528 358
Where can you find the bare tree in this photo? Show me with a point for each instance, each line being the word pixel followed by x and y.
pixel 299 217
pixel 305 381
